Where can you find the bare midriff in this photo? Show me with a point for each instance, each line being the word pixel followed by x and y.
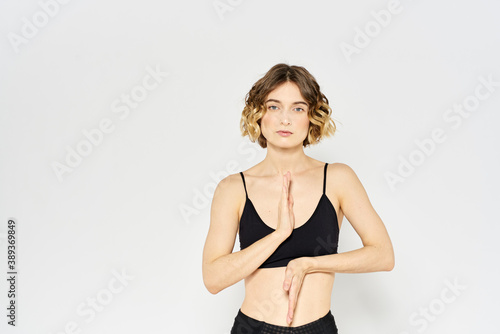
pixel 265 299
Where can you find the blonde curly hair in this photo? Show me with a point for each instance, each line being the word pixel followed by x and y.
pixel 321 124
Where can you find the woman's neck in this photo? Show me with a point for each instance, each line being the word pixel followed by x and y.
pixel 279 160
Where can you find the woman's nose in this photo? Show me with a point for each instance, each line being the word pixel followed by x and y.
pixel 284 117
pixel 284 120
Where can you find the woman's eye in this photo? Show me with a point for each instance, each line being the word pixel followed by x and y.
pixel 299 109
pixel 273 107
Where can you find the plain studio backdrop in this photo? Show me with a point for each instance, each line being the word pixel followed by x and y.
pixel 118 119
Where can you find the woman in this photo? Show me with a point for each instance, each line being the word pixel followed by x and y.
pixel 287 211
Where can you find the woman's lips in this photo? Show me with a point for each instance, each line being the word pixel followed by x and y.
pixel 284 133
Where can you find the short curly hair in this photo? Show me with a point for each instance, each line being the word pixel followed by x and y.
pixel 321 124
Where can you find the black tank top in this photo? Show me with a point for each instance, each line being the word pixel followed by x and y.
pixel 317 236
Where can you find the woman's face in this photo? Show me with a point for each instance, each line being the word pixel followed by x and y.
pixel 285 122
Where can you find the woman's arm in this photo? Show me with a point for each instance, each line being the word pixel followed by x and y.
pixel 221 268
pixel 376 254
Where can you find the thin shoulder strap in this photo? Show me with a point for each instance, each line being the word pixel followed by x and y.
pixel 244 184
pixel 324 179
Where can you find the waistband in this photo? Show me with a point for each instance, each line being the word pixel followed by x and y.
pixel 245 324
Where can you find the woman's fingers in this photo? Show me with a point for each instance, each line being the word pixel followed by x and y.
pixel 288 279
pixel 289 198
pixel 286 182
pixel 294 275
pixel 286 219
pixel 292 297
pixel 285 193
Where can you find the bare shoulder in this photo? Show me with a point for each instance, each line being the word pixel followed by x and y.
pixel 229 193
pixel 230 186
pixel 342 178
pixel 340 171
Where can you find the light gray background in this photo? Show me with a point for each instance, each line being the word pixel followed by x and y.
pixel 139 202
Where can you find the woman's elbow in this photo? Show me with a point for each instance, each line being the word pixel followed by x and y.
pixel 389 262
pixel 211 287
pixel 211 282
pixel 390 265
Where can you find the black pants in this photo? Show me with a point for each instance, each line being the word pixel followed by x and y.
pixel 243 324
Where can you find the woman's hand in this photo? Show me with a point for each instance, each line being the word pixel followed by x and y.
pixel 294 276
pixel 286 218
